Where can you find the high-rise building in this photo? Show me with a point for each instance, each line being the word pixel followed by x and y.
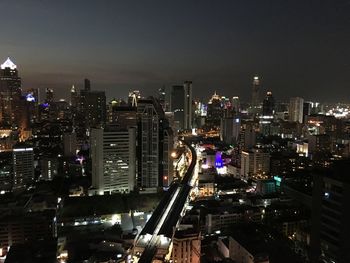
pixel 93 107
pixel 215 111
pixel 113 155
pixel 155 144
pixel 87 85
pixel 296 105
pixel 74 97
pixel 69 144
pixel 148 142
pixel 330 232
pixel 122 116
pixel 133 97
pixel 162 98
pixel 268 105
pixel 188 114
pixel 230 129
pixel 10 94
pixel 255 163
pixel 236 107
pixel 177 105
pixel 255 93
pixel 247 137
pixel 49 95
pixel 306 109
pixel 23 166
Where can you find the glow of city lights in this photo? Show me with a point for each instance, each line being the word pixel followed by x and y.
pixel 30 97
pixel 218 160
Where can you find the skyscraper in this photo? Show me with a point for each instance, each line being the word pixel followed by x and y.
pixel 177 104
pixel 92 107
pixel 49 95
pixel 10 93
pixel 113 153
pixel 87 85
pixel 268 105
pixel 148 143
pixel 133 97
pixel 296 105
pixel 23 167
pixel 74 97
pixel 255 93
pixel 188 114
pixel 236 108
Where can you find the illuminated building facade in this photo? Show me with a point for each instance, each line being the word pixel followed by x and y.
pixel 10 94
pixel 23 167
pixel 113 154
pixel 296 106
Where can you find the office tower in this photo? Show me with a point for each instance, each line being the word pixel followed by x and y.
pixel 296 105
pixel 162 98
pixel 69 144
pixel 230 129
pixel 188 114
pixel 74 97
pixel 148 115
pixel 23 166
pixel 92 107
pixel 166 146
pixel 215 111
pixel 330 232
pixel 306 110
pixel 236 107
pixel 247 137
pixel 49 168
pixel 122 116
pixel 113 154
pixel 255 163
pixel 268 112
pixel 177 105
pixel 268 105
pixel 255 94
pixel 133 97
pixel 87 85
pixel 49 95
pixel 10 94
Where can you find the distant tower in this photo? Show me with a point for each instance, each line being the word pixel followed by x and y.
pixel 87 85
pixel 177 105
pixel 296 106
pixel 134 96
pixel 161 97
pixel 10 93
pixel 236 105
pixel 74 98
pixel 268 105
pixel 49 95
pixel 255 92
pixel 188 105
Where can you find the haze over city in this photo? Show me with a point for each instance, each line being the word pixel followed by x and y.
pixel 298 48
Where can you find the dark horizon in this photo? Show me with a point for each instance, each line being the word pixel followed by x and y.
pixel 297 48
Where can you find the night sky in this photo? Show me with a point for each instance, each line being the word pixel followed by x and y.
pixel 297 47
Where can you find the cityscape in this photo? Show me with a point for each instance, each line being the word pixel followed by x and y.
pixel 173 168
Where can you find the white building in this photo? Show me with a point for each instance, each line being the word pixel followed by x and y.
pixel 23 167
pixel 255 163
pixel 296 105
pixel 113 154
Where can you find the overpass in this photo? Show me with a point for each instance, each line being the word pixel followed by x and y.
pixel 155 240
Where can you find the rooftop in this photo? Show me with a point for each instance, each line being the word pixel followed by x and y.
pixel 8 64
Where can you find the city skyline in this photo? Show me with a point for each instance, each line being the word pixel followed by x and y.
pixel 288 45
